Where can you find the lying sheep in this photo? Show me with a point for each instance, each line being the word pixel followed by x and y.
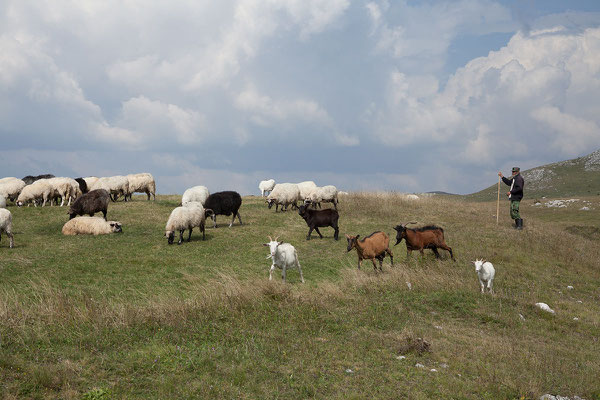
pixel 10 188
pixel 91 226
pixel 142 183
pixel 6 226
pixel 284 194
pixel 196 193
pixel 38 190
pixel 224 203
pixel 325 194
pixel 190 216
pixel 485 273
pixel 115 185
pixel 90 203
pixel 284 256
pixel 266 186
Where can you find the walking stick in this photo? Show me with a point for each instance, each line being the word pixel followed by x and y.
pixel 498 203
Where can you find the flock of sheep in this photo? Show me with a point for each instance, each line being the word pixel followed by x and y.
pixel 91 195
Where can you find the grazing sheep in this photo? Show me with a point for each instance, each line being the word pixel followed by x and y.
pixel 427 237
pixel 6 226
pixel 10 188
pixel 306 188
pixel 65 188
pixel 82 185
pixel 91 226
pixel 284 256
pixel 266 186
pixel 320 218
pixel 90 181
pixel 2 202
pixel 30 179
pixel 190 216
pixel 325 194
pixel 142 183
pixel 372 247
pixel 40 189
pixel 284 194
pixel 115 185
pixel 90 203
pixel 486 272
pixel 195 193
pixel 224 203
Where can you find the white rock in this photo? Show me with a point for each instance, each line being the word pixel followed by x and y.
pixel 419 365
pixel 575 319
pixel 433 370
pixel 400 357
pixel 409 285
pixel 580 302
pixel 521 317
pixel 444 365
pixel 544 307
pixel 584 208
pixel 570 287
pixel 349 371
pixel 438 327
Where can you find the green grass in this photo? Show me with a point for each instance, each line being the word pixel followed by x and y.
pixel 128 316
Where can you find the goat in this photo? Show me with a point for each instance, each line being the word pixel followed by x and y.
pixel 372 247
pixel 320 218
pixel 284 256
pixel 485 273
pixel 427 237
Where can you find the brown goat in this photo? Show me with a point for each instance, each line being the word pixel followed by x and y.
pixel 427 237
pixel 371 247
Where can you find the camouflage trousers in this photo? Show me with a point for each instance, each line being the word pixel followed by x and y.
pixel 514 209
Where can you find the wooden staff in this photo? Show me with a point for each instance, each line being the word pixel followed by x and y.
pixel 498 203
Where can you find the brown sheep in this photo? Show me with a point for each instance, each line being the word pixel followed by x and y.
pixel 371 247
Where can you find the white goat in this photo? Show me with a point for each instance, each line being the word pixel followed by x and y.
pixel 284 256
pixel 485 273
pixel 266 186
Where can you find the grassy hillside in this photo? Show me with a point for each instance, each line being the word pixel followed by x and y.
pixel 576 177
pixel 127 316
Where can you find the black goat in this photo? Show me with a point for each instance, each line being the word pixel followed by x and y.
pixel 90 203
pixel 427 237
pixel 82 185
pixel 320 218
pixel 29 179
pixel 224 203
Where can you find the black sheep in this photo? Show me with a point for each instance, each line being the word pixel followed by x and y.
pixel 90 203
pixel 223 203
pixel 320 218
pixel 82 185
pixel 29 179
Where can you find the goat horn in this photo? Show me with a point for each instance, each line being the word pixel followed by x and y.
pixel 270 240
pixel 276 237
pixel 409 223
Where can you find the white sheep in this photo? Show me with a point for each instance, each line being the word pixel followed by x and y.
pixel 115 185
pixel 10 188
pixel 65 188
pixel 190 216
pixel 325 194
pixel 2 202
pixel 90 181
pixel 39 189
pixel 306 188
pixel 284 256
pixel 6 226
pixel 195 193
pixel 485 273
pixel 266 186
pixel 284 194
pixel 91 226
pixel 142 183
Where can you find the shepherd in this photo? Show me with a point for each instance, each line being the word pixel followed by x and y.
pixel 515 194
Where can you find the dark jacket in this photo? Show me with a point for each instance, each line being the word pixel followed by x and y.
pixel 516 192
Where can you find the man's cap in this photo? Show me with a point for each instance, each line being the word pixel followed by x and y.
pixel 516 169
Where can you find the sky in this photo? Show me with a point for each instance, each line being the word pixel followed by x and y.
pixel 408 96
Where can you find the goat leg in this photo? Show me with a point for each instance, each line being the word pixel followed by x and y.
pixel 317 230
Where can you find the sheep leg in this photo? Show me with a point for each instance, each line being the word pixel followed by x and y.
pixel 310 229
pixel 181 236
pixel 12 239
pixel 239 217
pixel 190 235
pixel 202 227
pixel 147 194
pixel 319 232
pixel 300 269
pixel 214 218
pixel 271 272
pixel 104 213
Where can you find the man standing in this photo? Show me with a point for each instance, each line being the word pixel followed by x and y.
pixel 515 194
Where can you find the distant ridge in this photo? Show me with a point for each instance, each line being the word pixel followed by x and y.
pixel 576 177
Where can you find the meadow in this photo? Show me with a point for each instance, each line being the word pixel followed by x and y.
pixel 128 316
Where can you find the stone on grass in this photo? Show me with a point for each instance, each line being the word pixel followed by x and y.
pixel 544 307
